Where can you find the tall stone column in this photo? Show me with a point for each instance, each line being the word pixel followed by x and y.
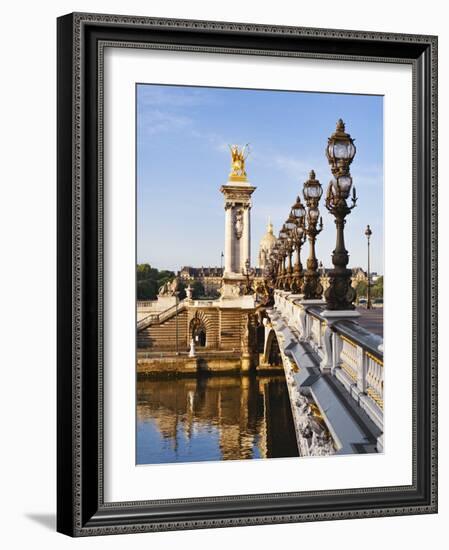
pixel 237 193
pixel 246 237
pixel 228 239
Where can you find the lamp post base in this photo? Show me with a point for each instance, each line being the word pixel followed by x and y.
pixel 313 302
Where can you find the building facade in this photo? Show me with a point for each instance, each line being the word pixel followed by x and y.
pixel 209 277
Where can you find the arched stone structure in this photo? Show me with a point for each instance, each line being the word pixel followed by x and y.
pixel 260 338
pixel 272 355
pixel 199 327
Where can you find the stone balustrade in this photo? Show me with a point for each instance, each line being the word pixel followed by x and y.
pixel 146 304
pixel 344 349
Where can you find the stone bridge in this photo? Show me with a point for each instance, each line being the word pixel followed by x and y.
pixel 334 372
pixel 333 365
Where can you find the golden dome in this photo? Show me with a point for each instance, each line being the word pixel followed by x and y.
pixel 268 240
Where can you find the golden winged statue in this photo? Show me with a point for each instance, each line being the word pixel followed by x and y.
pixel 238 158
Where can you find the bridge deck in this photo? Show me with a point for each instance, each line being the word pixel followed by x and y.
pixel 372 320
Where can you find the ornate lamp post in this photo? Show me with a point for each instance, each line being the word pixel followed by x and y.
pixel 297 230
pixel 284 253
pixel 368 234
pixel 340 152
pixel 248 272
pixel 290 226
pixel 280 262
pixel 313 289
pixel 289 245
pixel 270 272
pixel 276 252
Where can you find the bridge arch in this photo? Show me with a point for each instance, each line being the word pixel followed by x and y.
pixel 272 355
pixel 199 327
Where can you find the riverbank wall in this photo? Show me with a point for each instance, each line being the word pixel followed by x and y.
pixel 156 365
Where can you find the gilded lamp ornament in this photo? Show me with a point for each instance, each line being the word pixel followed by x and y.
pixel 340 152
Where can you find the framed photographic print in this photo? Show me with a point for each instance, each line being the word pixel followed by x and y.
pixel 247 286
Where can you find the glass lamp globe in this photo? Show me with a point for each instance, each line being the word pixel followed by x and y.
pixel 341 150
pixel 314 214
pixel 345 184
pixel 340 145
pixel 312 188
pixel 341 186
pixel 298 209
pixel 290 224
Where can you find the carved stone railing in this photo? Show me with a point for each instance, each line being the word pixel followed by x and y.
pixel 157 318
pixel 343 348
pixel 146 304
pixel 349 358
pixel 375 379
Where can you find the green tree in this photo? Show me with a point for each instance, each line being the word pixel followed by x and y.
pixel 182 290
pixel 149 281
pixel 213 294
pixel 361 289
pixel 146 290
pixel 198 290
pixel 145 272
pixel 377 290
pixel 166 275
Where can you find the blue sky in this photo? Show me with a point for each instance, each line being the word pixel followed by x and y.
pixel 183 158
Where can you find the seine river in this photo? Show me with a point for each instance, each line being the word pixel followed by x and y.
pixel 213 418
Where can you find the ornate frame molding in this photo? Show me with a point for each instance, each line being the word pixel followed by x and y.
pixel 81 41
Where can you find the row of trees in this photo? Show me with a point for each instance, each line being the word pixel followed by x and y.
pixel 377 289
pixel 150 280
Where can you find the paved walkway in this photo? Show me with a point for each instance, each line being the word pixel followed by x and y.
pixel 372 319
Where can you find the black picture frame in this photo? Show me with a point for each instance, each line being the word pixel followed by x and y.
pixel 81 509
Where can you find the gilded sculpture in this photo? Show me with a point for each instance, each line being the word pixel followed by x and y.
pixel 238 158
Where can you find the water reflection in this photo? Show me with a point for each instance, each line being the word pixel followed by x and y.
pixel 217 418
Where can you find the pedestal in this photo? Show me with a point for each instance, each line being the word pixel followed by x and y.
pixel 232 286
pixel 331 342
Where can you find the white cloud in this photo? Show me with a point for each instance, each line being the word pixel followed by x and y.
pixel 299 169
pixel 169 96
pixel 371 175
pixel 154 121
